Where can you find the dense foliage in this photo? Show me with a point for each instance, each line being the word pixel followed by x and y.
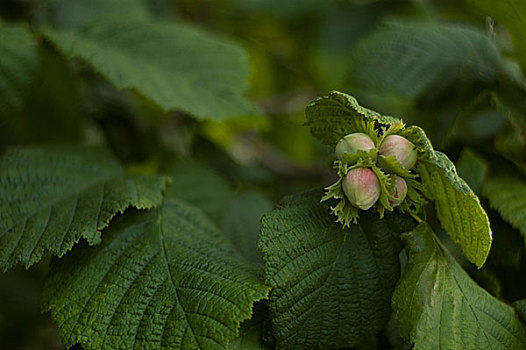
pixel 175 174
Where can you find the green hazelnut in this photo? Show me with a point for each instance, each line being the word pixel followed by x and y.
pixel 361 188
pixel 400 147
pixel 353 143
pixel 400 191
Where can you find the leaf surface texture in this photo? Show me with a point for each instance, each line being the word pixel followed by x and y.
pixel 51 197
pixel 331 287
pixel 160 279
pixel 176 66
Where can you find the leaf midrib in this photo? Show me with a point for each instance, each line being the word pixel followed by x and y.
pixel 170 274
pixel 329 273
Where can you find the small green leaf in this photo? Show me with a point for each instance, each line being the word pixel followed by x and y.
pixel 438 306
pixel 332 117
pixel 507 195
pixel 458 208
pixel 331 287
pixel 19 66
pixel 51 197
pixel 162 279
pixel 176 66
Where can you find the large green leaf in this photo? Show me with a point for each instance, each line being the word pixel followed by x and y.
pixel 438 306
pixel 331 287
pixel 409 59
pixel 51 197
pixel 512 14
pixel 507 195
pixel 458 208
pixel 176 66
pixel 19 65
pixel 160 279
pixel 332 117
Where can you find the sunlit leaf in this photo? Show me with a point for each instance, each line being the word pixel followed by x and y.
pixel 437 305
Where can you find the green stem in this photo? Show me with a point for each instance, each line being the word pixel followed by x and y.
pixel 416 217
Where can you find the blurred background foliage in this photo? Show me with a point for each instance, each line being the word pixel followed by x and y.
pixel 454 68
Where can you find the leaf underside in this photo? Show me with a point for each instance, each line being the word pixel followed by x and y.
pixel 437 305
pixel 458 208
pixel 331 287
pixel 177 67
pixel 51 197
pixel 162 279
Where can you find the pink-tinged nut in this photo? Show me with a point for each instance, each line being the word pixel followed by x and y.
pixel 401 148
pixel 400 191
pixel 352 143
pixel 361 187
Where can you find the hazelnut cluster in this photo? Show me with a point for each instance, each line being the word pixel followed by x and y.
pixel 375 172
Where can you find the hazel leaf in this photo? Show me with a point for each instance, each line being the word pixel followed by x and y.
pixel 51 197
pixel 438 306
pixel 330 287
pixel 161 279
